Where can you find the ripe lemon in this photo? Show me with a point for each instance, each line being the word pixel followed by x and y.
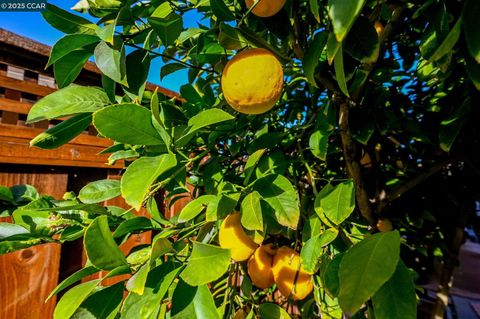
pixel 266 8
pixel 260 266
pixel 252 81
pixel 233 237
pixel 384 225
pixel 286 264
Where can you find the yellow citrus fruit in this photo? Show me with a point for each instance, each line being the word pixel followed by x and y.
pixel 384 225
pixel 286 264
pixel 260 266
pixel 266 8
pixel 233 237
pixel 252 81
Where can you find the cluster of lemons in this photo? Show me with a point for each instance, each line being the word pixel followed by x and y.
pixel 267 264
pixel 252 81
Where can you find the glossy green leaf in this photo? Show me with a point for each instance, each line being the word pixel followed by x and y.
pixel 449 42
pixel 171 68
pixel 312 250
pixel 131 225
pixel 111 62
pixel 251 209
pixel 102 304
pixel 99 191
pixel 396 299
pixel 107 33
pixel 138 66
pixel 315 9
pixel 66 21
pixel 221 11
pixel 68 43
pixel 207 118
pixel 193 302
pixel 73 298
pixel 128 124
pixel 279 193
pixel 167 24
pixel 213 261
pixel 68 68
pixel 471 27
pixel 101 249
pixel 473 70
pixel 343 14
pixel 156 287
pixel 140 175
pixel 195 207
pixel 312 55
pixel 338 203
pixel 8 229
pixel 318 144
pixel 331 277
pixel 272 311
pixel 63 132
pixel 362 42
pixel 251 164
pixel 67 101
pixel 230 38
pixel 70 280
pixel 451 126
pixel 340 72
pixel 332 47
pixel 436 32
pixel 366 267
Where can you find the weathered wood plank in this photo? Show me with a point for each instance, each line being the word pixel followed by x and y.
pixel 23 86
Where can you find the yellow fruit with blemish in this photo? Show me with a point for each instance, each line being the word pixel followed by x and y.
pixel 291 278
pixel 252 81
pixel 384 225
pixel 232 236
pixel 260 266
pixel 265 8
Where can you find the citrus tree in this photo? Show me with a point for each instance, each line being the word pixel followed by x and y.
pixel 328 149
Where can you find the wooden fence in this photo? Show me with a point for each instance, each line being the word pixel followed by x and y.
pixel 29 275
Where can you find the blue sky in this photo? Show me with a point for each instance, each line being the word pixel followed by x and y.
pixel 32 25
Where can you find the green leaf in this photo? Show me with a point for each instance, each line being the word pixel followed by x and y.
pixel 7 230
pixel 471 27
pixel 312 250
pixel 272 311
pixel 141 174
pixel 99 191
pixel 315 9
pixel 473 70
pixel 343 14
pixel 156 287
pixel 136 283
pixel 67 101
pixel 318 144
pixel 66 21
pixel 221 207
pixel 448 43
pixel 193 302
pixel 127 124
pixel 338 203
pixel 68 43
pixel 331 276
pixel 396 299
pixel 230 38
pixel 138 66
pixel 366 267
pixel 63 132
pixel 251 209
pixel 107 32
pixel 111 62
pixel 102 304
pixel 166 23
pixel 451 126
pixel 68 68
pixel 279 193
pixel 312 55
pixel 436 31
pixel 101 249
pixel 340 72
pixel 332 47
pixel 195 207
pixel 171 68
pixel 73 298
pixel 221 11
pixel 132 225
pixel 212 260
pixel 207 118
pixel 70 280
pixel 251 164
pixel 6 195
pixel 362 42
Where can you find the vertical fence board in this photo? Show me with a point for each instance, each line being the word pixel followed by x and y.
pixel 28 276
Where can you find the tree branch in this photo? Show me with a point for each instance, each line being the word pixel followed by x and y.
pixel 351 160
